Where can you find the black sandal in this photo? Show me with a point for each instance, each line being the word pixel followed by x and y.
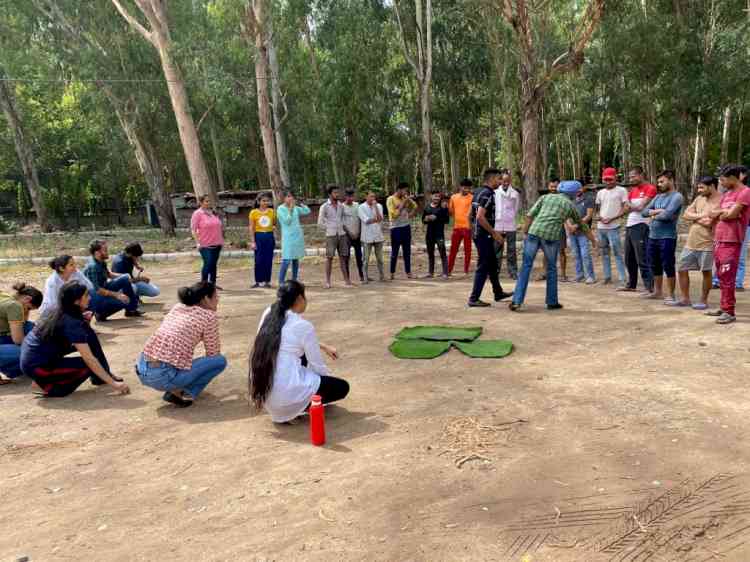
pixel 176 400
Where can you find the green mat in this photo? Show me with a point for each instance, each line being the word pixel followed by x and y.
pixel 439 333
pixel 485 349
pixel 419 349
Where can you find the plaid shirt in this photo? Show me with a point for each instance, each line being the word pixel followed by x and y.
pixel 550 213
pixel 97 272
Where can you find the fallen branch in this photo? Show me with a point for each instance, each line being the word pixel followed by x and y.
pixel 471 457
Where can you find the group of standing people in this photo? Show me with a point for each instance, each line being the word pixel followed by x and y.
pixel 716 243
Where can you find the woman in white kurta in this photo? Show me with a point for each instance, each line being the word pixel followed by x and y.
pixel 286 366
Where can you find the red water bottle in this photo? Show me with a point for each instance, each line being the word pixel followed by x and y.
pixel 317 421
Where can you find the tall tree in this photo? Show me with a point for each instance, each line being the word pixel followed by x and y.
pixel 536 74
pixel 157 33
pixel 419 58
pixel 24 150
pixel 256 20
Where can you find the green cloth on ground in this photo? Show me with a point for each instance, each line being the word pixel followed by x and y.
pixel 485 349
pixel 439 333
pixel 419 349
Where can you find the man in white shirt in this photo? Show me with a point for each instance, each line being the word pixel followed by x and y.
pixel 352 228
pixel 331 219
pixel 371 214
pixel 507 202
pixel 612 205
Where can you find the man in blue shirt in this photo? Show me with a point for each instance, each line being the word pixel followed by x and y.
pixel 129 260
pixel 111 292
pixel 664 210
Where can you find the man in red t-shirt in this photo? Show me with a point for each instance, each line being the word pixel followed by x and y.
pixel 733 215
pixel 637 230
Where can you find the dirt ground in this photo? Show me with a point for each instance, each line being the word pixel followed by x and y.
pixel 616 430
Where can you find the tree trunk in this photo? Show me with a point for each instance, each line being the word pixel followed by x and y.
pixel 425 103
pixel 725 134
pixel 697 158
pixel 530 174
pixel 256 18
pixel 217 156
pixel 625 146
pixel 278 104
pixel 335 166
pixel 24 152
pixel 468 162
pixel 740 131
pixel 455 164
pixel 543 144
pixel 443 159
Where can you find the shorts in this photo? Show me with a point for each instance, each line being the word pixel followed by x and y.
pixel 696 260
pixel 338 243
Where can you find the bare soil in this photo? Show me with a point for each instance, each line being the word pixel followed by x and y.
pixel 616 430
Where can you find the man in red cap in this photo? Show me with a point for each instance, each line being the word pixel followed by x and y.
pixel 612 204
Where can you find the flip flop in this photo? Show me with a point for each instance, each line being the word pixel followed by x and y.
pixel 700 306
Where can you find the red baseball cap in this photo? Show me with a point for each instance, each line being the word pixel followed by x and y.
pixel 609 173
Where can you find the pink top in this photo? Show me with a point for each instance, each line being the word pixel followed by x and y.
pixel 733 231
pixel 180 333
pixel 208 228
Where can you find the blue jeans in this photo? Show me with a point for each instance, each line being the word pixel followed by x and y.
pixel 285 266
pixel 550 248
pixel 264 247
pixel 10 354
pixel 210 255
pixel 104 307
pixel 611 238
pixel 740 282
pixel 579 244
pixel 146 289
pixel 168 377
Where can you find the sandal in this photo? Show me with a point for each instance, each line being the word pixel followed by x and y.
pixel 178 401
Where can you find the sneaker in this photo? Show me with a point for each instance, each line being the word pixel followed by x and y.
pixel 478 304
pixel 133 313
pixel 590 281
pixel 267 286
pixel 503 296
pixel 579 280
pixel 718 312
pixel 557 306
pixel 726 318
pixel 514 307
pixel 255 286
pixel 428 276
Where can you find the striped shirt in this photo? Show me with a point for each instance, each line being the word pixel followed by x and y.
pixel 180 333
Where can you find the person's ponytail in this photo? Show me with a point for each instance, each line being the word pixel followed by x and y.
pixel 268 341
pixel 193 295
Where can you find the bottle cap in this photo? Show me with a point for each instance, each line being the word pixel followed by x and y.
pixel 316 399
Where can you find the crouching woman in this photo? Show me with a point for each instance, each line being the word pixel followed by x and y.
pixel 59 333
pixel 167 363
pixel 286 365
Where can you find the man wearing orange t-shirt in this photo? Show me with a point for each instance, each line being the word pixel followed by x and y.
pixel 460 209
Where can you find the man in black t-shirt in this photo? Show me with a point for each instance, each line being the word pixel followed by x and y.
pixel 435 217
pixel 483 221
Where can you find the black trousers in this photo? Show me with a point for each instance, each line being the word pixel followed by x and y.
pixel 356 245
pixel 332 389
pixel 636 257
pixel 440 243
pixel 486 267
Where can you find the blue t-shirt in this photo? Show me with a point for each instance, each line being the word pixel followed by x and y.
pixel 664 225
pixel 36 353
pixel 122 264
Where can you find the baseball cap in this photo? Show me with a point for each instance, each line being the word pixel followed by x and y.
pixel 609 173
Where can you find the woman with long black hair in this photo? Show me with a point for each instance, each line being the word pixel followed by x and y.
pixel 286 364
pixel 14 325
pixel 59 333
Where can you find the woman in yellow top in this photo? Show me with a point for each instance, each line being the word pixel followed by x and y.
pixel 262 221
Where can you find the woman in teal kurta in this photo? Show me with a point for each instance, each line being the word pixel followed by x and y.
pixel 292 236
